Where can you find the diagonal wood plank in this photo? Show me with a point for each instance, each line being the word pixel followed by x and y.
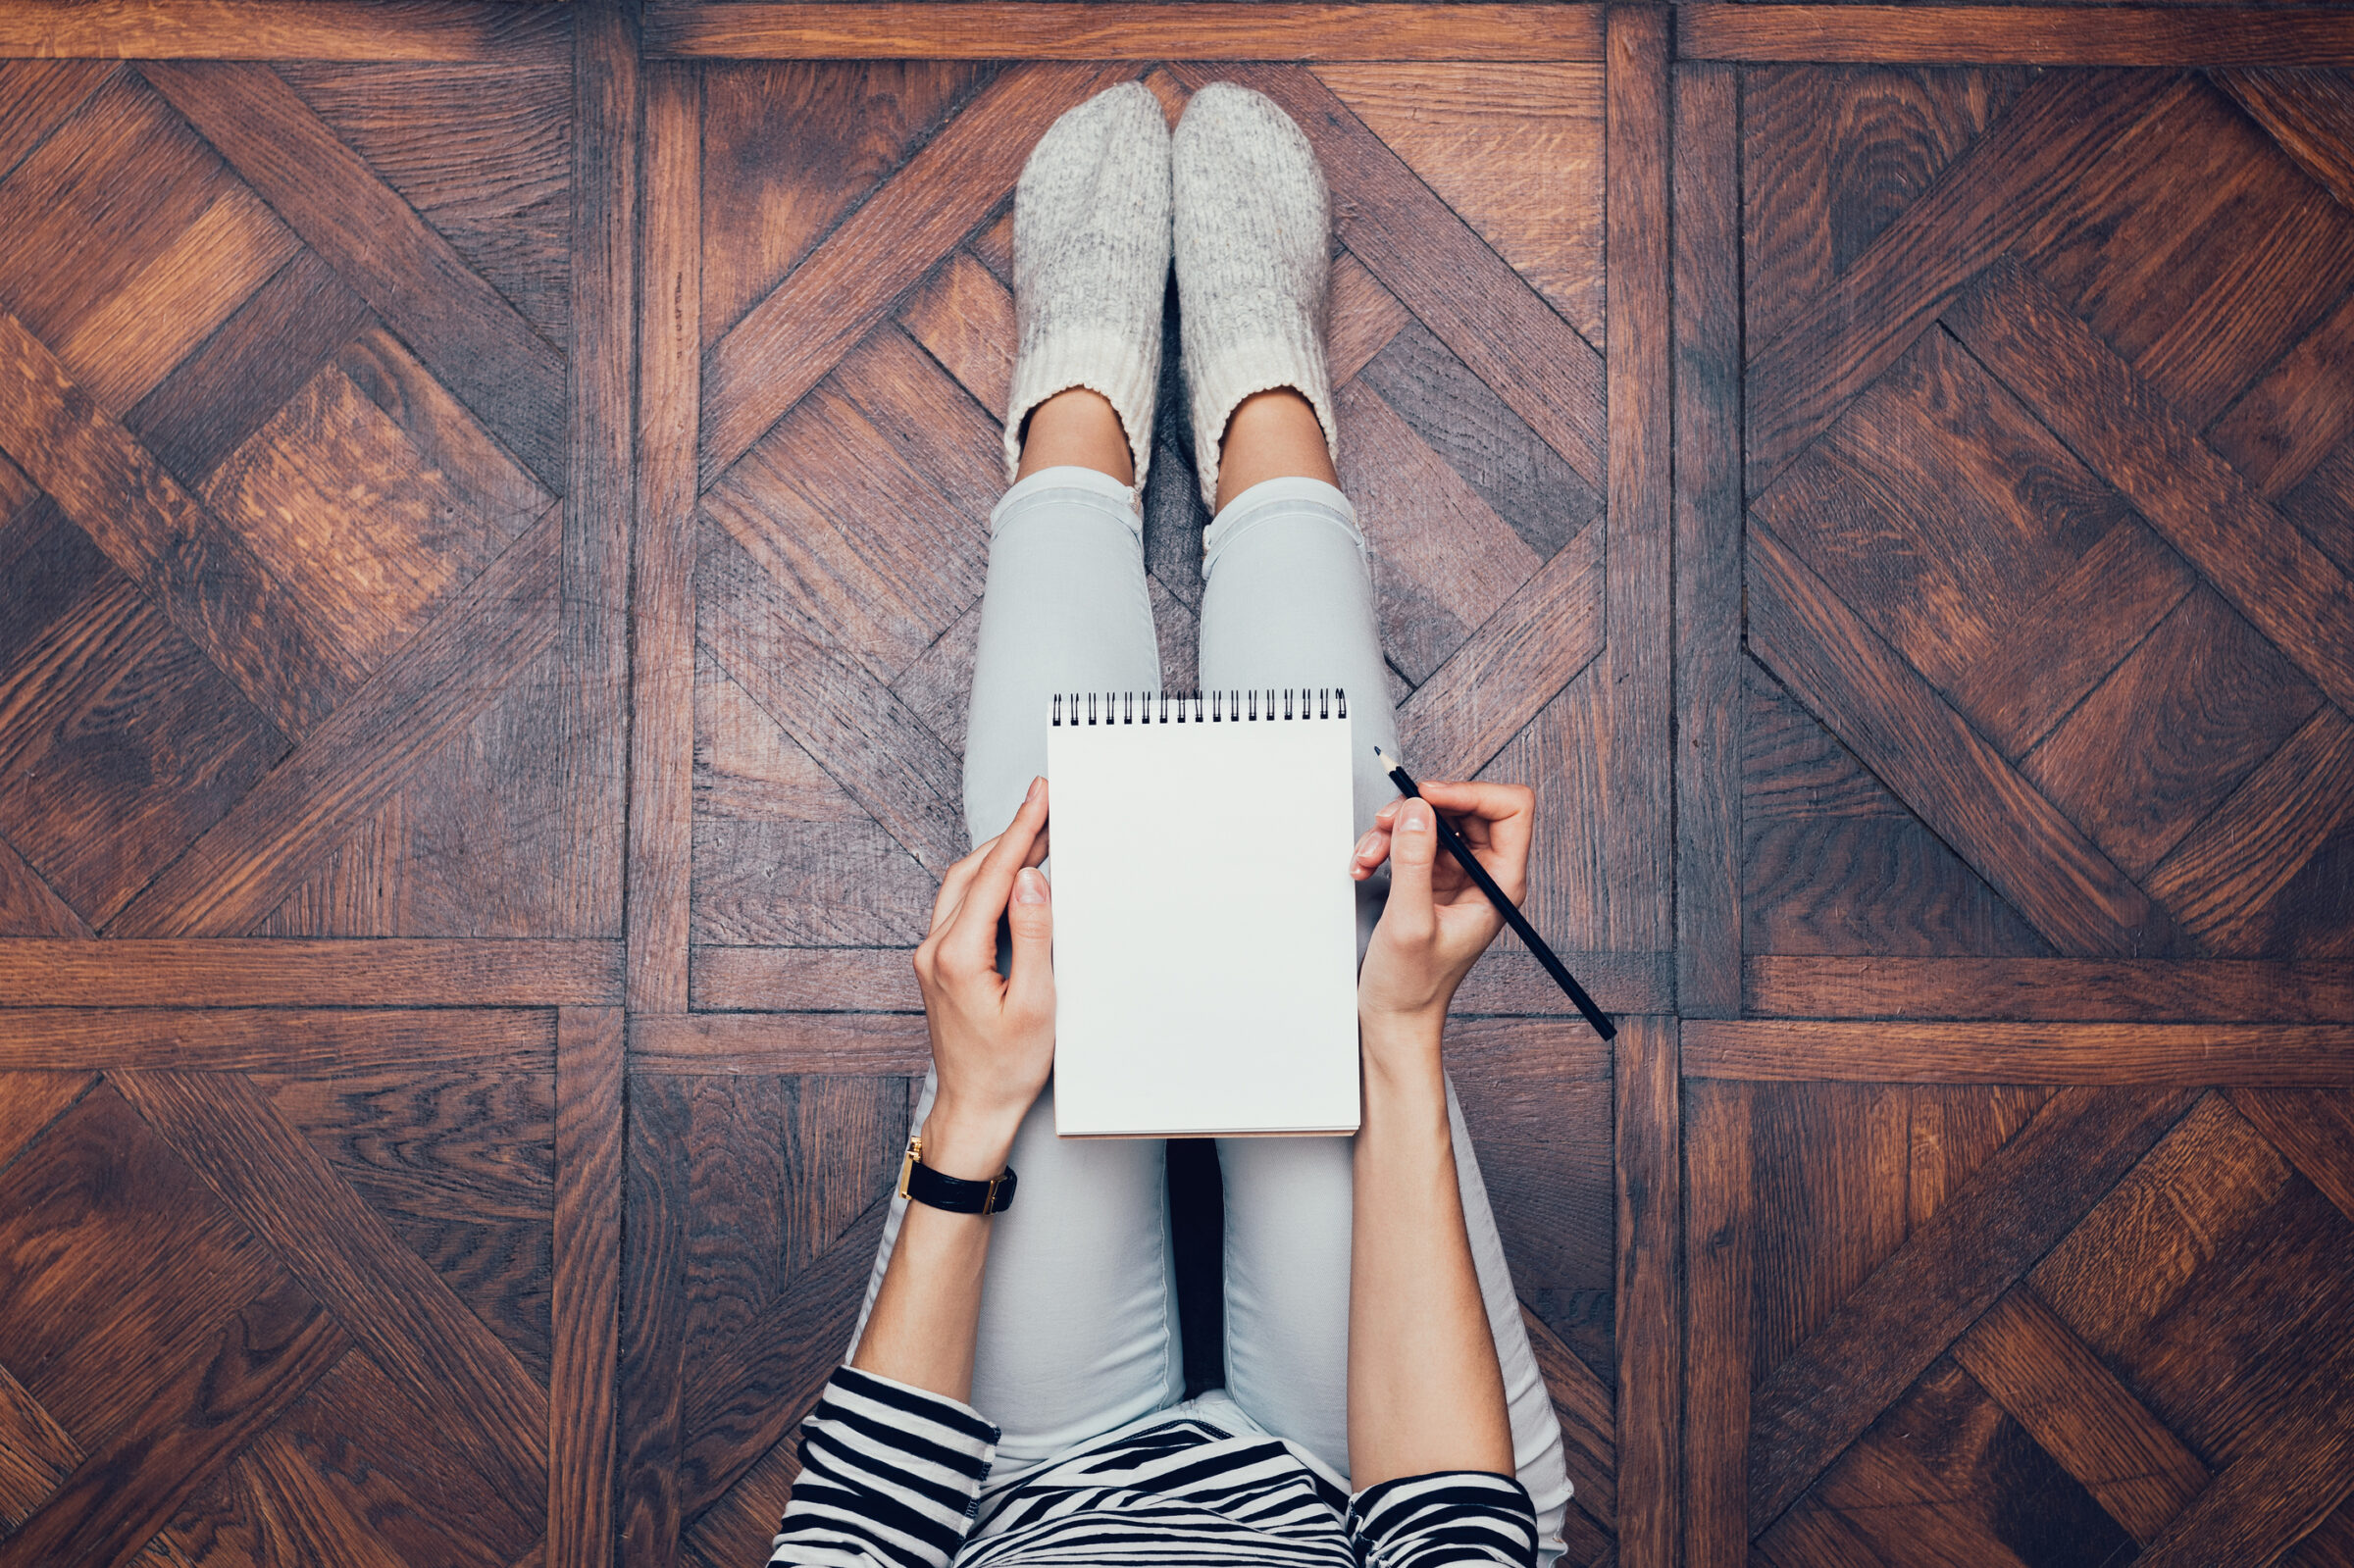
pixel 788 343
pixel 1938 765
pixel 1533 645
pixel 2315 1131
pixel 2260 1504
pixel 2309 113
pixel 2127 434
pixel 1440 269
pixel 742 1402
pixel 1821 1396
pixel 203 576
pixel 873 744
pixel 253 857
pixel 2008 188
pixel 1589 1431
pixel 40 95
pixel 266 1356
pixel 34 1100
pixel 386 1297
pixel 464 332
pixel 36 1454
pixel 2051 1383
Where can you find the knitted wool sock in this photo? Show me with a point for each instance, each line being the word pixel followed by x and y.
pixel 1091 260
pixel 1253 229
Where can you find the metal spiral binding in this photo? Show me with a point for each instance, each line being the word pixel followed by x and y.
pixel 1207 707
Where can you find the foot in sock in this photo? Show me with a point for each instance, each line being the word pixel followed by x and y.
pixel 1253 250
pixel 1091 261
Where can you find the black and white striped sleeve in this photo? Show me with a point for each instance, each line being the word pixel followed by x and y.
pixel 1446 1518
pixel 891 1477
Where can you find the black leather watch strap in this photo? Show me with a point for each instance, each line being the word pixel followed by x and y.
pixel 920 1184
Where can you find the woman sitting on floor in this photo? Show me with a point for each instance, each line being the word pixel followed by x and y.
pixel 1015 1389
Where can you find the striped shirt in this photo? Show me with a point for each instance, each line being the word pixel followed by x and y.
pixel 893 1477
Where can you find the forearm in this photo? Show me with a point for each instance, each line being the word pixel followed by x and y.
pixel 928 1311
pixel 1424 1389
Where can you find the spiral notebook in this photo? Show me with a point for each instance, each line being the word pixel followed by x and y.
pixel 1205 920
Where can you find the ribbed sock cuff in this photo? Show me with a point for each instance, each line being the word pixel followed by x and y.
pixel 1220 381
pixel 1111 364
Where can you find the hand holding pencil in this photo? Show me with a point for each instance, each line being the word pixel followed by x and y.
pixel 1478 868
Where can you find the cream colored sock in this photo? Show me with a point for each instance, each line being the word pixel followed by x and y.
pixel 1253 243
pixel 1091 261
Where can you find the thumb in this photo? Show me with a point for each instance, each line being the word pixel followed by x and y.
pixel 1031 915
pixel 1413 846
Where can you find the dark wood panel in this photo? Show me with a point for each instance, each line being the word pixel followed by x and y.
pixel 284 1040
pixel 979 30
pixel 2303 1054
pixel 2053 989
pixel 2023 34
pixel 1708 541
pixel 585 1304
pixel 272 29
pixel 216 972
pixel 1647 1125
pixel 857 1044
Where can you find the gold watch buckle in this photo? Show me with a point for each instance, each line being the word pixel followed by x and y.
pixel 915 1150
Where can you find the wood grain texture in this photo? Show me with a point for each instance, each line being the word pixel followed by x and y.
pixel 592 747
pixel 204 577
pixel 474 341
pixel 661 849
pixel 1819 1398
pixel 1441 270
pixel 727 1044
pixel 1650 1319
pixel 2047 989
pixel 1534 644
pixel 1637 802
pixel 2023 34
pixel 1719 1247
pixel 264 1357
pixel 741 1403
pixel 818 691
pixel 651 1367
pixel 2309 113
pixel 976 29
pixel 1939 765
pixel 582 1414
pixel 2312 1131
pixel 787 343
pixel 271 29
pixel 1707 526
pixel 2227 878
pixel 436 1350
pixel 253 858
pixel 216 972
pixel 2045 1378
pixel 2012 186
pixel 1584 1405
pixel 284 1040
pixel 2292 592
pixel 2312 1055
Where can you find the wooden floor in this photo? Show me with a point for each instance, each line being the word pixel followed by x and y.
pixel 492 519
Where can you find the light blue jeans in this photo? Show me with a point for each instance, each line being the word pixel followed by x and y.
pixel 1079 1332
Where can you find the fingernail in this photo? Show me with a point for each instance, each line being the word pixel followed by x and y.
pixel 1414 819
pixel 1034 782
pixel 1367 846
pixel 1029 887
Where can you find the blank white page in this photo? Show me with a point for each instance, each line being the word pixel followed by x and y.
pixel 1205 927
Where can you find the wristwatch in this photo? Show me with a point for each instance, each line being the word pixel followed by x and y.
pixel 921 1183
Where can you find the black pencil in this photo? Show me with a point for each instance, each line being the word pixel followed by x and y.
pixel 1454 843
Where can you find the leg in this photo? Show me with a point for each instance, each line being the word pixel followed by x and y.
pixel 1290 599
pixel 1078 1315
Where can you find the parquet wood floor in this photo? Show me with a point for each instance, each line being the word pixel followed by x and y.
pixel 492 508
